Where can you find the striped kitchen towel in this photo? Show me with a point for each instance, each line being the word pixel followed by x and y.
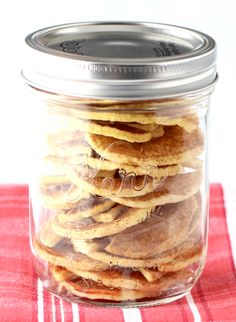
pixel 23 299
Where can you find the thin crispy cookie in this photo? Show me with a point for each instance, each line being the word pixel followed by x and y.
pixel 175 146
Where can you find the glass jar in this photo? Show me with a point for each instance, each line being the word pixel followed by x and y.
pixel 119 189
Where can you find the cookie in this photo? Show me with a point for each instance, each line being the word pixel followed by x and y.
pixel 188 122
pixel 62 196
pixel 95 250
pixel 148 127
pixel 89 246
pixel 151 274
pixel 164 229
pixel 88 228
pixel 114 129
pixel 195 163
pixel 91 206
pixel 152 262
pixel 175 146
pixel 117 130
pixel 47 236
pixel 100 164
pixel 68 149
pixel 95 290
pixel 65 136
pixel 49 180
pixel 125 279
pixel 185 259
pixel 121 185
pixel 170 190
pixel 66 257
pixel 51 173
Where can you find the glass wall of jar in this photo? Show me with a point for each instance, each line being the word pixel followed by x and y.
pixel 120 197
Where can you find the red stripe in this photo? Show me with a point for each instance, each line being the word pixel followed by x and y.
pixel 233 265
pixel 168 313
pixel 88 314
pixel 67 311
pixel 47 301
pixel 18 283
pixel 10 204
pixel 215 292
pixel 16 191
pixel 176 311
pixel 204 304
pixel 57 309
pixel 185 310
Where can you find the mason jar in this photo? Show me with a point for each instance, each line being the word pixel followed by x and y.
pixel 119 180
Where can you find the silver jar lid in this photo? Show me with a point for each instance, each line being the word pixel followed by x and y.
pixel 120 60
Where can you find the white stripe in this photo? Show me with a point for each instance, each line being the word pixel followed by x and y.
pixel 193 308
pixel 40 301
pixel 75 312
pixel 230 209
pixel 62 311
pixel 132 315
pixel 53 309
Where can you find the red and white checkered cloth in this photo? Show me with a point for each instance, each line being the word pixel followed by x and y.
pixel 23 299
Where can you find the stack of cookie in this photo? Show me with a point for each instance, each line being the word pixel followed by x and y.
pixel 120 190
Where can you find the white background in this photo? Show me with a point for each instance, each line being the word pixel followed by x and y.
pixel 18 18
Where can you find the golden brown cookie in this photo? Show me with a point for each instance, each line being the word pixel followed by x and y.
pixel 49 180
pixel 185 259
pixel 66 257
pixel 117 130
pixel 122 185
pixel 95 250
pixel 62 196
pixel 158 132
pixel 125 279
pixel 47 236
pixel 91 206
pixel 87 228
pixel 66 143
pixel 108 216
pixel 175 146
pixel 188 122
pixel 93 290
pixel 89 246
pixel 170 190
pixel 100 164
pixel 151 274
pixel 164 229
pixel 148 127
pixel 51 173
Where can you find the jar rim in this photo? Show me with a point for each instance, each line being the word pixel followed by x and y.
pixel 131 60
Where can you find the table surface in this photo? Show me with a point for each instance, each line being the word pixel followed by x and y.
pixel 23 299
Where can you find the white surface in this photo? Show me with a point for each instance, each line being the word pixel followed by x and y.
pixel 132 315
pixel 40 301
pixel 18 18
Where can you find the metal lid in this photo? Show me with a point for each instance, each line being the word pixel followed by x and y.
pixel 120 60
